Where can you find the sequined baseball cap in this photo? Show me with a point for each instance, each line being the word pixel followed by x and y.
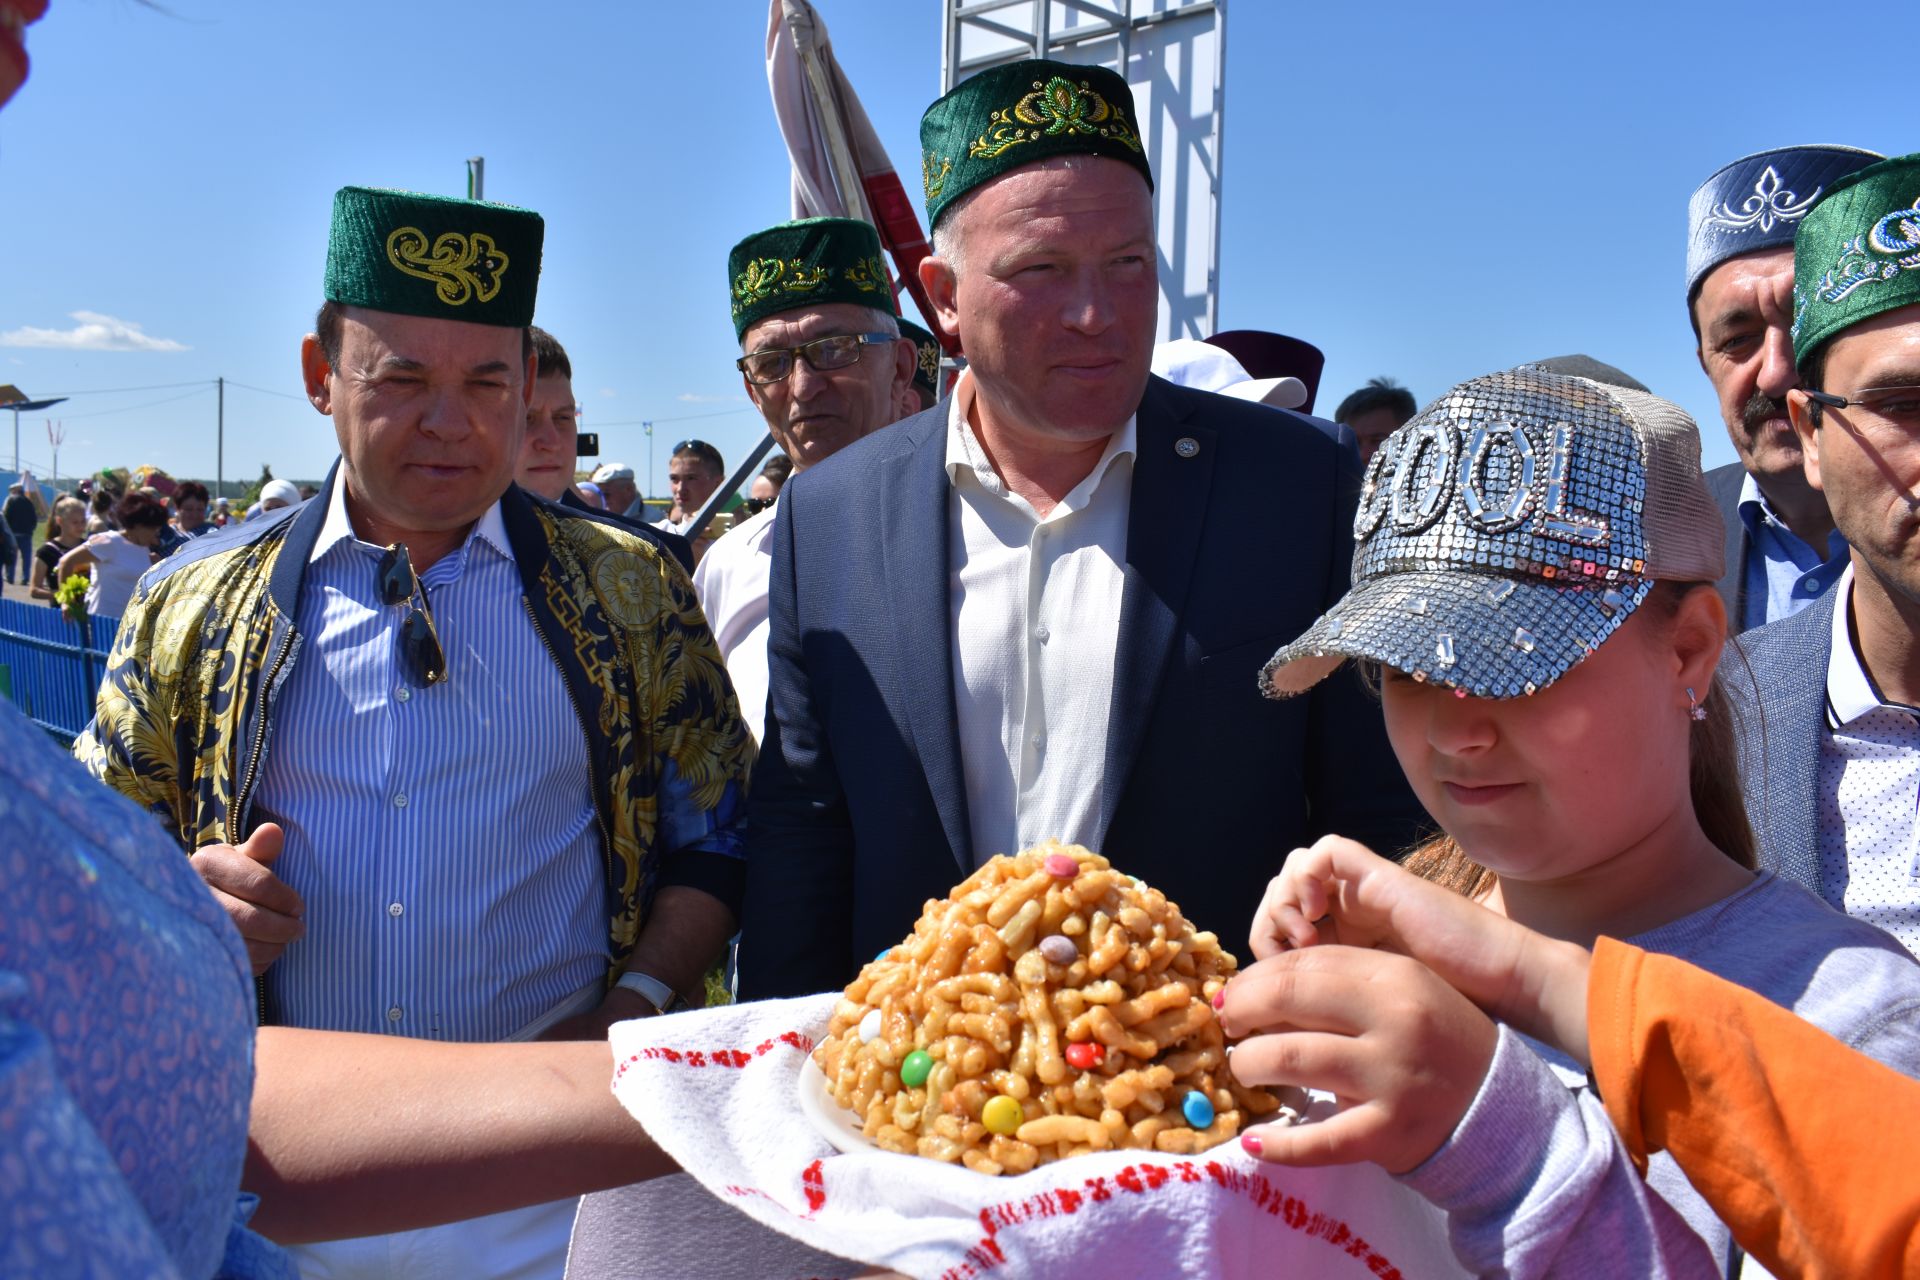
pixel 1508 529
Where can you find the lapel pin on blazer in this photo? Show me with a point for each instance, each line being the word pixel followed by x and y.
pixel 1186 446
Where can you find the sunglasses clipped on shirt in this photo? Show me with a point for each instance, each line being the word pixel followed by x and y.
pixel 419 639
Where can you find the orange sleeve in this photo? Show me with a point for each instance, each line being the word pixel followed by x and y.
pixel 1808 1151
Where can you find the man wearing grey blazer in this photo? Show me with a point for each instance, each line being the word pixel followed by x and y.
pixel 1831 721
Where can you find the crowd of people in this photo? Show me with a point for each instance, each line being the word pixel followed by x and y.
pixel 108 534
pixel 469 761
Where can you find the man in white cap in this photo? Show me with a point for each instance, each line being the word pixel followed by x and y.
pixel 616 486
pixel 1783 552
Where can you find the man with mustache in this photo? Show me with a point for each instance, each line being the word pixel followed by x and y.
pixel 1782 548
pixel 1830 790
pixel 985 632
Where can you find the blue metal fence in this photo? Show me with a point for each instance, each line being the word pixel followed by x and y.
pixel 51 666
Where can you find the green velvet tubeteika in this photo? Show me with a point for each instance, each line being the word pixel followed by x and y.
pixel 1006 117
pixel 435 256
pixel 806 264
pixel 1857 253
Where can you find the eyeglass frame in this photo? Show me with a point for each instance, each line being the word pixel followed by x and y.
pixel 874 339
pixel 1828 400
pixel 429 670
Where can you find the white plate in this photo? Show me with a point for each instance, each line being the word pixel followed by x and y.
pixel 832 1121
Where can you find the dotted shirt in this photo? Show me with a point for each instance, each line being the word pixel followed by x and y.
pixel 1869 790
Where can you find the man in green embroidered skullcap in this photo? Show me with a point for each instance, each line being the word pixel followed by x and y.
pixel 494 730
pixel 925 388
pixel 820 348
pixel 1079 563
pixel 1838 680
pixel 822 358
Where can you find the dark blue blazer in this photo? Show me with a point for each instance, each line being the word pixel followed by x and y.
pixel 1781 731
pixel 859 813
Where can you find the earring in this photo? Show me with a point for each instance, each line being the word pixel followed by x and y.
pixel 1694 710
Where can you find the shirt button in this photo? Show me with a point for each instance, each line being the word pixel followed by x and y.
pixel 1038 741
pixel 393 1014
pixel 1041 634
pixel 395 910
pixel 402 693
pixel 400 801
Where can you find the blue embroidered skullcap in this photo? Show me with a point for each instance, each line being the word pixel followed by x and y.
pixel 1757 202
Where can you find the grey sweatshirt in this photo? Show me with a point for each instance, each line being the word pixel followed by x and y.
pixel 1534 1180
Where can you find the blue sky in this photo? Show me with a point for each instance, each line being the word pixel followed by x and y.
pixel 1429 192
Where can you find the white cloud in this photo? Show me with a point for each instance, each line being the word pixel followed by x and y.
pixel 608 393
pixel 692 397
pixel 95 332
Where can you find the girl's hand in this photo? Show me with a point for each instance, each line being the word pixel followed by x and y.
pixel 1338 882
pixel 1338 891
pixel 1402 1051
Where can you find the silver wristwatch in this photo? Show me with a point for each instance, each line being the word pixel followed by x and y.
pixel 662 997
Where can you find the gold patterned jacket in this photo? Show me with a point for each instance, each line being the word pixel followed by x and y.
pixel 185 713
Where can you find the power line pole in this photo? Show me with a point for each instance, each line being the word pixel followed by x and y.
pixel 648 428
pixel 476 177
pixel 220 442
pixel 54 436
pixel 29 405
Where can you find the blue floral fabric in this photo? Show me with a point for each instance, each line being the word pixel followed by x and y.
pixel 126 1040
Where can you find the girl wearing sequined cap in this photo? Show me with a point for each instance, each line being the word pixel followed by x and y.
pixel 1533 580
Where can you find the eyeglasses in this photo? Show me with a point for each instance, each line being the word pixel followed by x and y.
pixel 754 506
pixel 419 640
pixel 1889 417
pixel 834 352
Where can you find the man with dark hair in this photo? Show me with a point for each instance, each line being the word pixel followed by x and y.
pixel 1375 412
pixel 22 513
pixel 1831 763
pixel 1783 551
pixel 985 631
pixel 694 471
pixel 765 489
pixel 549 455
pixel 496 731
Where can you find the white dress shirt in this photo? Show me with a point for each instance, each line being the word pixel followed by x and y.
pixel 732 582
pixel 1869 789
pixel 1035 608
pixel 445 844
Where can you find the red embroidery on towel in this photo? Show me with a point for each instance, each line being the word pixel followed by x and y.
pixel 815 1185
pixel 1144 1180
pixel 714 1057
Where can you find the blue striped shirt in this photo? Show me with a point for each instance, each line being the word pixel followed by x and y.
pixel 443 839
